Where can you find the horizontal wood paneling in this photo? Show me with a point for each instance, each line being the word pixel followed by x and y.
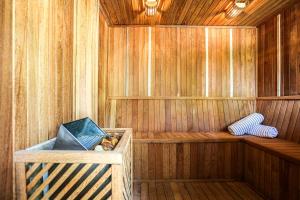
pixel 189 12
pixel 284 115
pixel 187 161
pixel 170 61
pixel 176 115
pixel 274 177
pixel 6 101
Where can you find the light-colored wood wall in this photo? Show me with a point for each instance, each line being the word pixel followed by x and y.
pixel 170 62
pixel 86 45
pixel 56 66
pixel 173 61
pixel 53 45
pixel 177 114
pixel 6 100
pixel 43 60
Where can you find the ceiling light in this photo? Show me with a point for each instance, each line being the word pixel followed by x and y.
pixel 151 7
pixel 236 8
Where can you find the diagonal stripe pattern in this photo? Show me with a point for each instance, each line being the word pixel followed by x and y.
pixel 68 181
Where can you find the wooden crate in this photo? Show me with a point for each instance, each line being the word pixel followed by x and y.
pixel 42 173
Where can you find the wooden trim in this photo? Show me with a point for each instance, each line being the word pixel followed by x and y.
pixel 183 140
pixel 117 182
pixel 55 156
pixel 177 98
pixel 276 153
pixel 296 97
pixel 182 180
pixel 183 26
pixel 21 181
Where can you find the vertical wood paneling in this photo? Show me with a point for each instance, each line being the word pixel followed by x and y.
pixel 289 57
pixel 86 41
pixel 270 175
pixel 187 160
pixel 103 65
pixel 244 62
pixel 171 115
pixel 267 58
pixel 177 62
pixel 43 69
pixel 291 50
pixel 218 63
pixel 6 101
pixel 117 61
pixel 136 66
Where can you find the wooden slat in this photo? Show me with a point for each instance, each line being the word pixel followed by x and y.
pixel 194 190
pixel 98 184
pixel 60 181
pixel 48 180
pixel 74 180
pixel 132 73
pixel 88 179
pixel 38 176
pixel 189 12
pixel 282 113
pixel 178 114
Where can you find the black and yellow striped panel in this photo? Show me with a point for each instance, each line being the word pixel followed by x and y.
pixel 68 181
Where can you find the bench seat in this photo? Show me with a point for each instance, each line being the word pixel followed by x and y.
pixel 184 137
pixel 282 148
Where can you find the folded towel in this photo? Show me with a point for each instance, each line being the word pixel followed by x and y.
pixel 244 125
pixel 263 131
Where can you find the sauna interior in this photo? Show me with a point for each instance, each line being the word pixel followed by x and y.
pixel 174 74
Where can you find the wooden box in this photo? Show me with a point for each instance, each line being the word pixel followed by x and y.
pixel 42 173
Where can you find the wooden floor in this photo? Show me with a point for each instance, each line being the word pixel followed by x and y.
pixel 193 190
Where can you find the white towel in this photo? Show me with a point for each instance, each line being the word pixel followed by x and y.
pixel 263 131
pixel 244 125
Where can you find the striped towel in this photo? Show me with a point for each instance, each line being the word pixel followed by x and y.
pixel 244 125
pixel 263 131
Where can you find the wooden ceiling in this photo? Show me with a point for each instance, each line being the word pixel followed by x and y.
pixel 188 12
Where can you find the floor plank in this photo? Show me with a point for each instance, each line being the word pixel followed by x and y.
pixel 195 190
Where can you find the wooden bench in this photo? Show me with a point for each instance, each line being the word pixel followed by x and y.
pixel 270 166
pixel 185 139
pixel 187 155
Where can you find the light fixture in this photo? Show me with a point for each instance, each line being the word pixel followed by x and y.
pixel 236 8
pixel 151 7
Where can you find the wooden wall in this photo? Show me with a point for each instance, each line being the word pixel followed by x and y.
pixel 102 69
pixel 56 66
pixel 166 63
pixel 86 58
pixel 172 61
pixel 284 114
pixel 6 100
pixel 55 71
pixel 284 33
pixel 291 50
pixel 177 114
pixel 188 161
pixel 274 177
pixel 267 58
pixel 43 69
